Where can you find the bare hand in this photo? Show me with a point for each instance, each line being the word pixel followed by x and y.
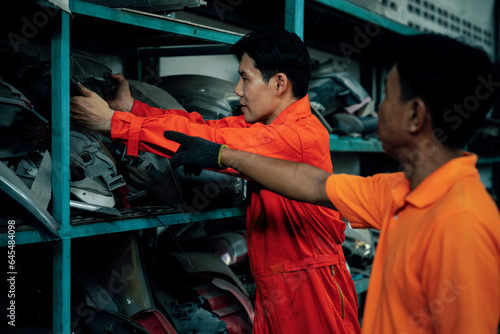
pixel 90 110
pixel 122 100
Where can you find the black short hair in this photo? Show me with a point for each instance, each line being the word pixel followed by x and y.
pixel 275 51
pixel 457 82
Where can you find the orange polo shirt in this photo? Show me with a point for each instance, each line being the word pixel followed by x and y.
pixel 437 262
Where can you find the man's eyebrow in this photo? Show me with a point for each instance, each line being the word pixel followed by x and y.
pixel 242 73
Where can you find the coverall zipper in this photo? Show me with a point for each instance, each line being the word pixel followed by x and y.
pixel 340 293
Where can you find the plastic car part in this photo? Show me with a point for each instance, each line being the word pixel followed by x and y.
pixel 92 74
pixel 14 101
pixel 344 123
pixel 153 95
pixel 16 113
pixel 121 3
pixel 317 109
pixel 41 186
pixel 94 208
pixel 359 248
pixel 29 75
pixel 244 300
pixel 93 170
pixel 213 98
pixel 154 174
pixel 195 262
pixel 203 287
pixel 35 171
pixel 98 321
pixel 154 321
pixel 12 186
pixel 226 306
pixel 90 191
pixel 150 5
pixel 231 247
pixel 93 293
pixel 120 272
pixel 210 189
pixel 37 176
pixel 170 5
pixel 191 317
pixel 327 93
pixel 336 90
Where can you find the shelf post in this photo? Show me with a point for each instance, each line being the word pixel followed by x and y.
pixel 60 69
pixel 61 305
pixel 294 17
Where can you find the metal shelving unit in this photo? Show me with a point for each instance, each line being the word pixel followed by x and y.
pixel 60 59
pixel 60 133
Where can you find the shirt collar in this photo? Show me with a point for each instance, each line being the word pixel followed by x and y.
pixel 298 109
pixel 434 186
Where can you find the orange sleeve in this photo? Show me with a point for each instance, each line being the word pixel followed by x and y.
pixel 363 201
pixel 142 109
pixel 462 284
pixel 146 134
pixel 348 193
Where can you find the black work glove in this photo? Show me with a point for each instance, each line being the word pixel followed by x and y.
pixel 195 151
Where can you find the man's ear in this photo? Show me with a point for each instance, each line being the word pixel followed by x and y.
pixel 417 115
pixel 281 83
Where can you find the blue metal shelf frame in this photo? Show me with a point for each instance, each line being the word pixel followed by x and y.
pixel 60 55
pixel 60 173
pixel 155 22
pixel 338 144
pixel 130 224
pixel 361 284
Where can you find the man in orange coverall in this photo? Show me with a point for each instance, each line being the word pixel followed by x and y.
pixel 295 250
pixel 437 263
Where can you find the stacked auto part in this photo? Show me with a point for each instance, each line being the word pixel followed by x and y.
pixel 341 100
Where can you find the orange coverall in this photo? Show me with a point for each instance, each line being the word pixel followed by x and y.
pixel 294 248
pixel 437 262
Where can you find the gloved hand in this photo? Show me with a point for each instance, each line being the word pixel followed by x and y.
pixel 195 151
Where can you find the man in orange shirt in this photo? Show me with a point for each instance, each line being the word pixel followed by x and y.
pixel 437 263
pixel 296 258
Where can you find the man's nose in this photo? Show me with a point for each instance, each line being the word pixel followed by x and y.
pixel 238 89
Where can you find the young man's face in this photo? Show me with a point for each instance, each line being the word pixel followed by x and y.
pixel 258 99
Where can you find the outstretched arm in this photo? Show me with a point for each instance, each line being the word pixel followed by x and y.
pixel 298 181
pixel 294 180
